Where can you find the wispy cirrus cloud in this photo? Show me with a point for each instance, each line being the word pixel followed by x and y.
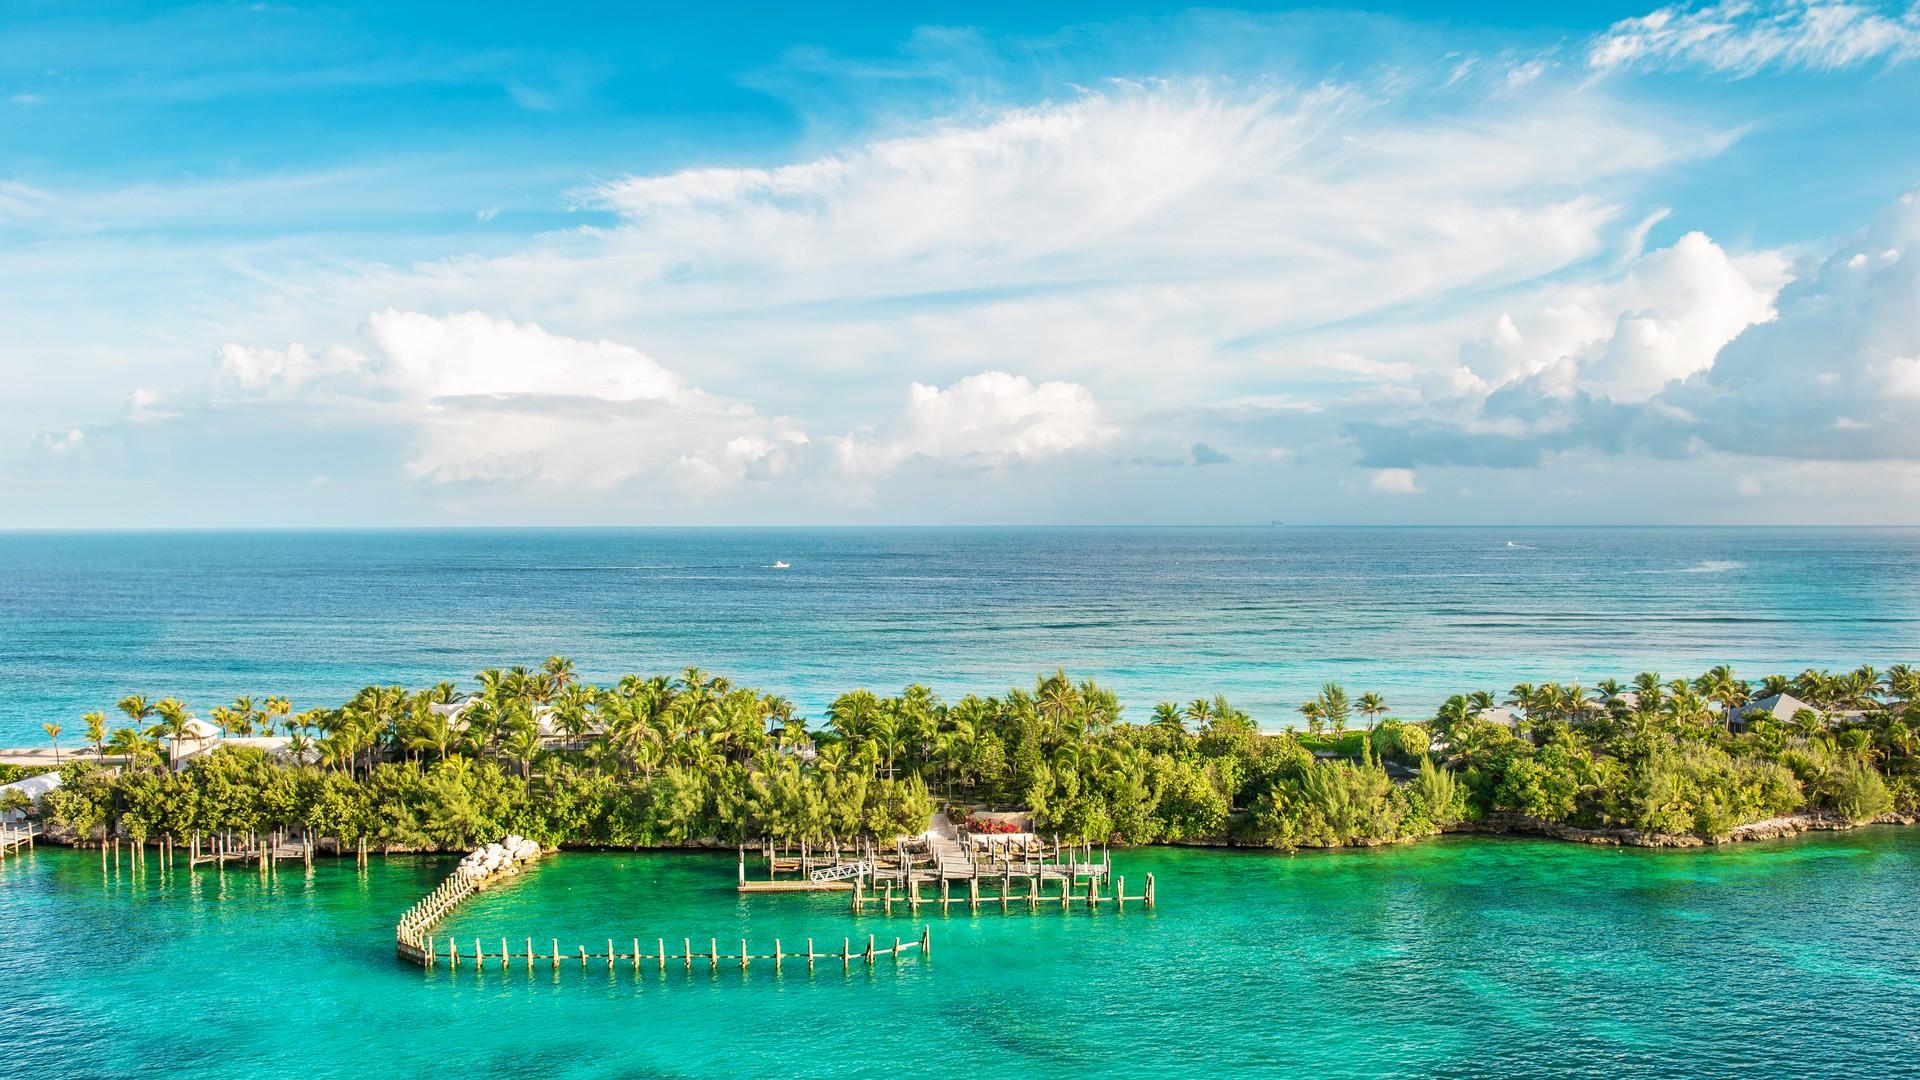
pixel 1742 38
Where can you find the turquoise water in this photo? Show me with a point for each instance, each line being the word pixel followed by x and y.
pixel 1465 956
pixel 1263 615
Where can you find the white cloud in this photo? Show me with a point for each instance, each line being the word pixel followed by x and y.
pixel 1835 374
pixel 1395 482
pixel 491 400
pixel 991 419
pixel 288 369
pixel 1741 38
pixel 59 442
pixel 146 405
pixel 486 214
pixel 1624 340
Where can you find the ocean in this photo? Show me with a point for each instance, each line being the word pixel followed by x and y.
pixel 1262 615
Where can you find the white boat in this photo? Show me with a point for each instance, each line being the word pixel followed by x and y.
pixel 778 565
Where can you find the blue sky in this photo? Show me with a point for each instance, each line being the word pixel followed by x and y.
pixel 273 264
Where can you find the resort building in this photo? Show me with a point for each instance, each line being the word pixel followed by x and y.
pixel 1500 714
pixel 34 787
pixel 1781 708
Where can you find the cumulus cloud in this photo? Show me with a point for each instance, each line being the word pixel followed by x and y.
pixel 1741 38
pixel 491 400
pixel 1395 482
pixel 1826 368
pixel 1837 375
pixel 989 420
pixel 59 442
pixel 1624 340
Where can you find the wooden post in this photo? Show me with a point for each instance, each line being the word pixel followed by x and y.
pixel 554 947
pixel 1120 893
pixel 583 958
pixel 504 954
pixel 479 958
pixel 1033 891
pixel 661 944
pixel 844 961
pixel 529 956
pixel 609 954
pixel 636 956
pixel 453 951
pixel 686 950
pixel 713 953
pixel 1066 891
pixel 1093 893
pixel 809 955
pixel 869 950
pixel 743 954
pixel 945 898
pixel 896 950
pixel 776 941
pixel 743 864
pixel 973 894
pixel 926 940
pixel 1006 886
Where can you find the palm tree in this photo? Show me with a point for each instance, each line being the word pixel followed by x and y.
pixel 1371 706
pixel 137 709
pixel 1315 716
pixel 1334 706
pixel 53 732
pixel 1166 716
pixel 131 744
pixel 97 732
pixel 175 723
pixel 276 707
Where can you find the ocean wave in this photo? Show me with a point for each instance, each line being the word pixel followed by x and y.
pixel 1708 566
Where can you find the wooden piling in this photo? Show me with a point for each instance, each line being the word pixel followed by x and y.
pixel 1120 893
pixel 529 956
pixel 776 941
pixel 713 953
pixel 636 956
pixel 554 947
pixel 809 955
pixel 686 950
pixel 926 940
pixel 1149 894
pixel 661 944
pixel 743 954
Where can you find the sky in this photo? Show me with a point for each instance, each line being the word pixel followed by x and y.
pixel 271 265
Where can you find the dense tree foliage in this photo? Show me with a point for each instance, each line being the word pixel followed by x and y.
pixel 695 759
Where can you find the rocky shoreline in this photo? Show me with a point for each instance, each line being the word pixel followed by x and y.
pixel 1771 829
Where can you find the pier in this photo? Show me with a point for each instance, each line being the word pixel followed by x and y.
pixel 415 941
pixel 17 838
pixel 947 866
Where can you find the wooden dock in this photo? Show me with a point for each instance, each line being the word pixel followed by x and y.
pixel 415 941
pixel 945 866
pixel 15 839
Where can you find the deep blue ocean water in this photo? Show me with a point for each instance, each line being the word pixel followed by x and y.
pixel 1263 615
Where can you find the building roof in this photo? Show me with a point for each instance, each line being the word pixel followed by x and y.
pixel 1782 707
pixel 35 787
pixel 1499 714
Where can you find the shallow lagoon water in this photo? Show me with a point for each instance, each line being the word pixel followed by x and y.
pixel 1465 956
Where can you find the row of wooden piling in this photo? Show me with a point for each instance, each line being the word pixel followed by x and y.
pixel 429 953
pixel 1034 899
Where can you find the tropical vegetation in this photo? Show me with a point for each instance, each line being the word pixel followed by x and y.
pixel 695 759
